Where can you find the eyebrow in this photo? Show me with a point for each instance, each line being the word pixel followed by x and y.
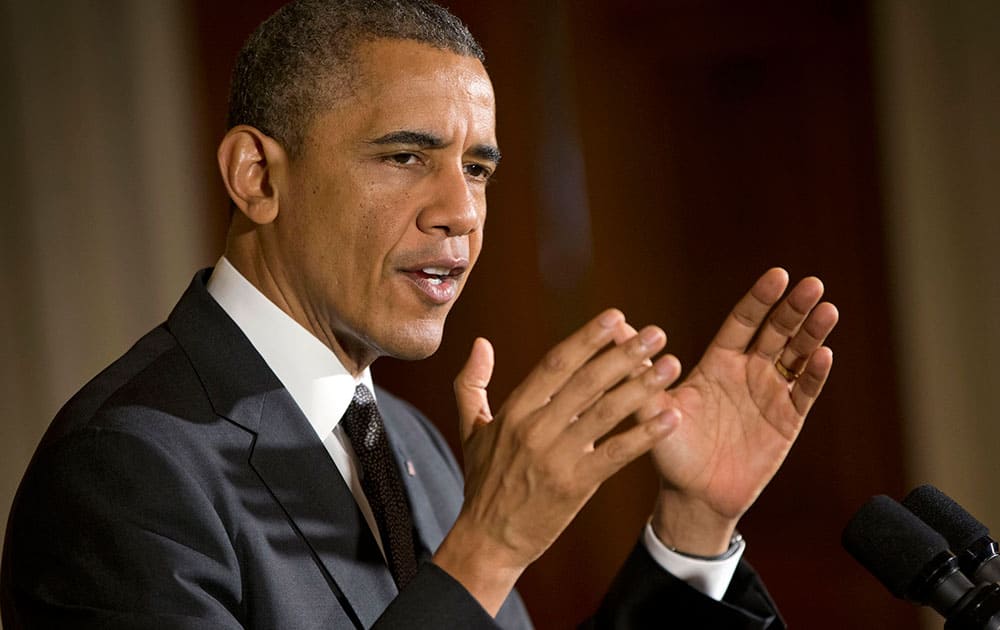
pixel 427 140
pixel 486 152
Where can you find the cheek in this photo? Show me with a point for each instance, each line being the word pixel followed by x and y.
pixel 389 218
pixel 475 246
pixel 353 227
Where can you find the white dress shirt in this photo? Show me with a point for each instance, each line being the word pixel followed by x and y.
pixel 323 389
pixel 313 375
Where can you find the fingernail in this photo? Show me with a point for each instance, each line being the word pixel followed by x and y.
pixel 608 319
pixel 662 370
pixel 649 336
pixel 667 420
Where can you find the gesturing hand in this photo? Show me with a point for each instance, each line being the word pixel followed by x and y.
pixel 530 468
pixel 740 413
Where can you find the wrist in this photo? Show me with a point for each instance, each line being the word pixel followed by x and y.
pixel 690 527
pixel 477 564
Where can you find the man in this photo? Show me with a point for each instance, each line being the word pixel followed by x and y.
pixel 231 469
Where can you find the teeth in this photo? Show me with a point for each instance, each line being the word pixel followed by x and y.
pixel 435 281
pixel 436 271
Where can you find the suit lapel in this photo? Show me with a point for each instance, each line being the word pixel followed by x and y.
pixel 292 462
pixel 412 470
pixel 287 455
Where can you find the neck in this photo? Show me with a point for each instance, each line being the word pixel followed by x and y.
pixel 253 265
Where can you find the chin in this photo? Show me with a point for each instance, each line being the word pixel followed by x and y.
pixel 414 341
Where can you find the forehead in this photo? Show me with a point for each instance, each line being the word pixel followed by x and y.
pixel 403 84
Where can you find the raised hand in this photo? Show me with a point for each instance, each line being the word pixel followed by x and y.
pixel 530 468
pixel 740 411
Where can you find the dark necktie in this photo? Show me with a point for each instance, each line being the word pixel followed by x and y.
pixel 382 485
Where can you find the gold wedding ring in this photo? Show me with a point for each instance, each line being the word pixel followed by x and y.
pixel 788 375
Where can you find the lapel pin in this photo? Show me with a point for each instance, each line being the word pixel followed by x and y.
pixel 410 470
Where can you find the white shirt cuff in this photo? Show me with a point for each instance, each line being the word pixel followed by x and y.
pixel 711 577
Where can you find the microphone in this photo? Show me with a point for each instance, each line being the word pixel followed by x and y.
pixel 978 555
pixel 914 563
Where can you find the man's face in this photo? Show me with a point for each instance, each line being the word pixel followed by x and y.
pixel 383 211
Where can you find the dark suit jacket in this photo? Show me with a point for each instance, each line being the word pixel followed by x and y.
pixel 183 488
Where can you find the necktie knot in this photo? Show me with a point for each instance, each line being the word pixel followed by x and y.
pixel 362 421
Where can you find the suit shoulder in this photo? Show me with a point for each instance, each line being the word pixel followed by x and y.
pixel 154 377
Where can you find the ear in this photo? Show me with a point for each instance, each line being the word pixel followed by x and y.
pixel 252 166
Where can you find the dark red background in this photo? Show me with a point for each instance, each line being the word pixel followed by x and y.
pixel 719 139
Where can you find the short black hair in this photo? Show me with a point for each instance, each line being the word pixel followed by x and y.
pixel 301 58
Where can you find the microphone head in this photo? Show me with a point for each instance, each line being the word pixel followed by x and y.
pixel 948 518
pixel 894 545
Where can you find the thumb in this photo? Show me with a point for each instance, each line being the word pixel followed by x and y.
pixel 470 388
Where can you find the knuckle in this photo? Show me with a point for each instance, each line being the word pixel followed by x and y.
pixel 555 360
pixel 603 412
pixel 529 436
pixel 586 380
pixel 561 484
pixel 616 452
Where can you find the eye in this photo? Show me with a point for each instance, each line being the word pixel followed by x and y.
pixel 403 159
pixel 478 171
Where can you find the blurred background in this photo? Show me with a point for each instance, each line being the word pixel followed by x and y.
pixel 658 156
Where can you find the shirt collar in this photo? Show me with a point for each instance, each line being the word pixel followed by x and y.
pixel 309 370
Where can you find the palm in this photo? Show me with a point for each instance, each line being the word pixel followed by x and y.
pixel 738 425
pixel 740 416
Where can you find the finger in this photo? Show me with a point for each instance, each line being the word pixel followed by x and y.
pixel 625 400
pixel 809 338
pixel 787 318
pixel 470 388
pixel 746 317
pixel 809 385
pixel 561 362
pixel 652 407
pixel 601 374
pixel 617 451
pixel 623 333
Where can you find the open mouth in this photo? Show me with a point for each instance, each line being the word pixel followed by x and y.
pixel 438 275
pixel 438 282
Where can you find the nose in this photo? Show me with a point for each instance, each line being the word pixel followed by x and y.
pixel 455 206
